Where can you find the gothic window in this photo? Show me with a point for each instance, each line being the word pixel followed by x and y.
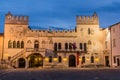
pixel 43 42
pixel 9 44
pixel 92 59
pixel 28 41
pixel 70 46
pixel 89 42
pixel 81 46
pixel 83 59
pixel 74 46
pixel 18 44
pixel 59 45
pixel 89 31
pixel 50 59
pixel 51 42
pixel 55 46
pixel 59 59
pixel 22 44
pixel 85 46
pixel 66 46
pixel 14 44
pixel 36 44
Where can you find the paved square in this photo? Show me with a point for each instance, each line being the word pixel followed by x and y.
pixel 60 74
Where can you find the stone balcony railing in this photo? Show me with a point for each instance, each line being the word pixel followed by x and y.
pixel 35 49
pixel 70 51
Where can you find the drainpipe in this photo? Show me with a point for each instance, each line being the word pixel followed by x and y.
pixel 111 45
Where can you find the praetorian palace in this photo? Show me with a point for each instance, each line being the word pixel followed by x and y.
pixel 87 45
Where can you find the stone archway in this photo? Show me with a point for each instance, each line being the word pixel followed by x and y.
pixel 35 60
pixel 72 61
pixel 21 63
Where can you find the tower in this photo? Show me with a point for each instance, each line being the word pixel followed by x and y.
pixel 14 30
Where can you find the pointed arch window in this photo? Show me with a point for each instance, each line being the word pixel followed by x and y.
pixel 81 46
pixel 92 59
pixel 9 44
pixel 89 42
pixel 36 44
pixel 59 59
pixel 14 44
pixel 51 42
pixel 66 46
pixel 18 44
pixel 43 42
pixel 22 44
pixel 55 46
pixel 70 46
pixel 59 46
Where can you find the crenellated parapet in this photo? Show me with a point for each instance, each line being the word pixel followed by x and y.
pixel 87 20
pixel 50 33
pixel 12 19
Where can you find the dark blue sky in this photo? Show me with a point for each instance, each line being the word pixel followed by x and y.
pixel 61 13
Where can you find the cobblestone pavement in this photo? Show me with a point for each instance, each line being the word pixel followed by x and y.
pixel 60 74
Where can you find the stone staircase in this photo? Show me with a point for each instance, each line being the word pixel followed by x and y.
pixel 17 55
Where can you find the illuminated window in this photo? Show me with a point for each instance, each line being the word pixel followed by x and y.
pixel 83 59
pixel 18 44
pixel 114 43
pixel 9 44
pixel 14 44
pixel 92 59
pixel 50 59
pixel 22 44
pixel 59 59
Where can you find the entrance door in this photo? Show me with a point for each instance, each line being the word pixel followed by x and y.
pixel 107 61
pixel 72 61
pixel 35 60
pixel 118 62
pixel 21 63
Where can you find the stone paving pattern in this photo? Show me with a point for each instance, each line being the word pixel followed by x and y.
pixel 60 74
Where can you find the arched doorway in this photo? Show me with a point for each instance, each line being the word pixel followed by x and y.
pixel 21 63
pixel 118 62
pixel 72 61
pixel 35 60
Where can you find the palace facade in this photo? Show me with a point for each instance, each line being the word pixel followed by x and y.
pixel 87 45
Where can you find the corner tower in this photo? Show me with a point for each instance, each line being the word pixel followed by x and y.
pixel 15 28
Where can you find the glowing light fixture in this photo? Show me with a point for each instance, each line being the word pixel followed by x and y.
pixel 64 59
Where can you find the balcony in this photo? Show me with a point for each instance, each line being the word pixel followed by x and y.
pixel 70 51
pixel 35 49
